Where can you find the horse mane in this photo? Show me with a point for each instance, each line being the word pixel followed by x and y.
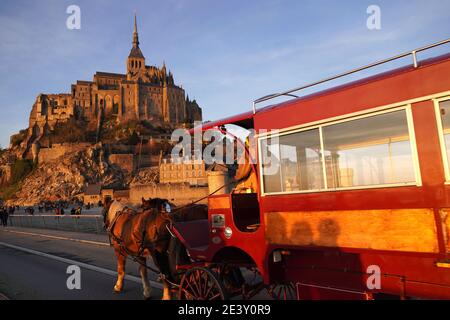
pixel 184 213
pixel 155 203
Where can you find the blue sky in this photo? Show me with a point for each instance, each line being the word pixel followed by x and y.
pixel 225 53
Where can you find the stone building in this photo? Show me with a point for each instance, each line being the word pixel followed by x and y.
pixel 92 194
pixel 187 171
pixel 122 196
pixel 143 93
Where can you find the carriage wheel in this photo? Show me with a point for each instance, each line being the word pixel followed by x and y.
pixel 282 291
pixel 231 279
pixel 201 284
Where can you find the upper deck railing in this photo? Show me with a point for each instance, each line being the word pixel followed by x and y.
pixel 289 93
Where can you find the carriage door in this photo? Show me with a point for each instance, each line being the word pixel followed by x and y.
pixel 246 214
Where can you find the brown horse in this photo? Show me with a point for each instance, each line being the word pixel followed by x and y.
pixel 143 234
pixel 140 235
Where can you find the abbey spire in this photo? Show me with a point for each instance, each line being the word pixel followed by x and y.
pixel 135 33
pixel 136 60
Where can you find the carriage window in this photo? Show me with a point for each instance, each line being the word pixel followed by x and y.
pixel 293 163
pixel 444 108
pixel 369 151
pixel 365 152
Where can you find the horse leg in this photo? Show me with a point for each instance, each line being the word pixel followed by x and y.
pixel 162 263
pixel 121 260
pixel 144 278
pixel 166 291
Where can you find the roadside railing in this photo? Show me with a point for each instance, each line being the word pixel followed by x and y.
pixel 78 223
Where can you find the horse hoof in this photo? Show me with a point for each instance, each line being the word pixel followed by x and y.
pixel 117 290
pixel 146 295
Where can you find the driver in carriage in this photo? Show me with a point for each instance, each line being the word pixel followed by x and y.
pixel 245 176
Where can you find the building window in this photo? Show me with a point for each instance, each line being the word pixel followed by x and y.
pixel 367 151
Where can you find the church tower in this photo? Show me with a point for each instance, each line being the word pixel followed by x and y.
pixel 136 60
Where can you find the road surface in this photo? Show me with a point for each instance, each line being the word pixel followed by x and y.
pixel 34 262
pixel 34 267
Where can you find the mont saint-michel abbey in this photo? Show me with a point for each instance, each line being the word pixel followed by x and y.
pixel 143 93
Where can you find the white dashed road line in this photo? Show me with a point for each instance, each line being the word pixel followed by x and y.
pixel 58 237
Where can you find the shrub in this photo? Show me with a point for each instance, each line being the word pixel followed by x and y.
pixel 71 131
pixel 8 192
pixel 20 169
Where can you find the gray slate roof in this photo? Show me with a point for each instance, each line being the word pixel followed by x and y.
pixel 136 53
pixel 93 190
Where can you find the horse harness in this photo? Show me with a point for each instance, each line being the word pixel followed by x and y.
pixel 143 243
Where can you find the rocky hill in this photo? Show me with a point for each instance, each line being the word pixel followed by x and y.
pixel 146 176
pixel 66 177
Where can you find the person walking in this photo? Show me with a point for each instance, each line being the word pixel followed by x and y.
pixel 4 216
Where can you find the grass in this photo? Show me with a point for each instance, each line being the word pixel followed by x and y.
pixel 21 169
pixel 8 192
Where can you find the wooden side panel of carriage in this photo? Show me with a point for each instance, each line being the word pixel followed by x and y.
pixel 407 230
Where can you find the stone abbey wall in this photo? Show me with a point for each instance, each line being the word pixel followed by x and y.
pixel 131 162
pixel 58 150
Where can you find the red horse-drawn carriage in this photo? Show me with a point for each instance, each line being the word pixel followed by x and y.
pixel 358 206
